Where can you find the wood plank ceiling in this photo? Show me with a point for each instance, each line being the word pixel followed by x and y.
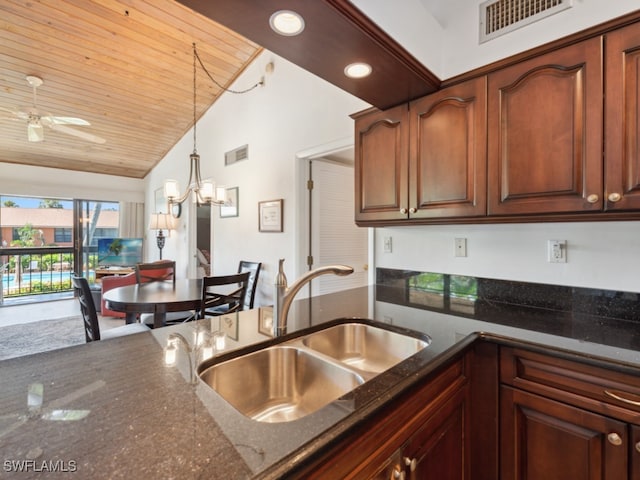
pixel 125 66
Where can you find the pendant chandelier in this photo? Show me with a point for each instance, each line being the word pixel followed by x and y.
pixel 201 191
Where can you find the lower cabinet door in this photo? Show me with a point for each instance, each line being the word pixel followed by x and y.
pixel 438 450
pixel 542 439
pixel 635 453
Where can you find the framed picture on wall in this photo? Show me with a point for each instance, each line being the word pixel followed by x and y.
pixel 230 207
pixel 270 216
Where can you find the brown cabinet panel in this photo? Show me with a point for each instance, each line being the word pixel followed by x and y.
pixel 634 470
pixel 545 133
pixel 600 390
pixel 542 439
pixel 371 449
pixel 381 165
pixel 447 154
pixel 622 127
pixel 438 449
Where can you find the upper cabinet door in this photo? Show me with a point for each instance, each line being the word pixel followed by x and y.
pixel 381 165
pixel 545 133
pixel 448 155
pixel 622 127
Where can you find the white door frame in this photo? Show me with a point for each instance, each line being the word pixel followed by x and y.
pixel 302 240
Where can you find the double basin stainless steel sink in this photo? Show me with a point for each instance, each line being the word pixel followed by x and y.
pixel 290 380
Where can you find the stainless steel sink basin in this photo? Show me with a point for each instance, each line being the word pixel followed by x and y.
pixel 367 348
pixel 280 383
pixel 290 380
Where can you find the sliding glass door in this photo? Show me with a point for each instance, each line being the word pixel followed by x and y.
pixel 93 220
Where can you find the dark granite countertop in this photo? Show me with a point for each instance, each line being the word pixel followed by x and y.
pixel 128 415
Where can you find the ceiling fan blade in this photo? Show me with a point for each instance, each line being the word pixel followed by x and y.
pixel 65 120
pixel 72 131
pixel 35 132
pixel 16 113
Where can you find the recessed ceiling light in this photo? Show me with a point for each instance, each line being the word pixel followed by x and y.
pixel 287 23
pixel 358 70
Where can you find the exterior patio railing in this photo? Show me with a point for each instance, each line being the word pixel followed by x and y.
pixel 35 271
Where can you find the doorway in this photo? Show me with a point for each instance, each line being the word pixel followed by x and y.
pixel 331 235
pixel 200 264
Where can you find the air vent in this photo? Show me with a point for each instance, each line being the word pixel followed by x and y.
pixel 503 16
pixel 233 156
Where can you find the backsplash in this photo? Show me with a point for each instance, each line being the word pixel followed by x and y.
pixel 484 298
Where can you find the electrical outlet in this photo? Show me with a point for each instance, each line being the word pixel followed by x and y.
pixel 557 251
pixel 388 245
pixel 460 247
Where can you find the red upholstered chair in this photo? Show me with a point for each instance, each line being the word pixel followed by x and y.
pixel 112 282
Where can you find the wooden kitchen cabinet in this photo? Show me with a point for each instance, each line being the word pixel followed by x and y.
pixel 425 162
pixel 564 419
pixel 437 450
pixel 545 139
pixel 548 135
pixel 542 439
pixel 447 152
pixel 428 426
pixel 622 122
pixel 381 165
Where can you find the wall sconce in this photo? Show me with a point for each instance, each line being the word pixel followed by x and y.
pixel 160 222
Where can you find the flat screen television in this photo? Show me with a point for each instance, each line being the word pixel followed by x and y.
pixel 119 252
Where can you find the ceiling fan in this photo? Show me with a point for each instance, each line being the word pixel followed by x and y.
pixel 37 121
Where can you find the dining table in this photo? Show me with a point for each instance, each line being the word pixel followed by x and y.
pixel 158 298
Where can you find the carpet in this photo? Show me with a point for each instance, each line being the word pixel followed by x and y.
pixel 36 337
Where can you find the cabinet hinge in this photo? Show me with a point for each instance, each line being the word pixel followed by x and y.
pixel 309 184
pixel 309 260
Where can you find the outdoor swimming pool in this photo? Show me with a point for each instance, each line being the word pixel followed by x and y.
pixel 10 281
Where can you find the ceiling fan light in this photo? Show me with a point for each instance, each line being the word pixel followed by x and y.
pixel 287 23
pixel 35 132
pixel 358 70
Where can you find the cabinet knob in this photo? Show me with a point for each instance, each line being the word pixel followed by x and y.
pixel 638 447
pixel 403 211
pixel 614 439
pixel 411 463
pixel 413 210
pixel 398 473
pixel 614 197
pixel 593 198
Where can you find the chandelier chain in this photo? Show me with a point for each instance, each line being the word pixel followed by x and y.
pixel 238 92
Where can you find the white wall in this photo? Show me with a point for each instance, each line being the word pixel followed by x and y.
pixel 294 111
pixel 57 183
pixel 449 46
pixel 600 254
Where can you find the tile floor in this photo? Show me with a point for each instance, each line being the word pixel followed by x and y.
pixel 33 312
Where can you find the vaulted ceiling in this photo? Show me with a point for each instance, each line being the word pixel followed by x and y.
pixel 125 66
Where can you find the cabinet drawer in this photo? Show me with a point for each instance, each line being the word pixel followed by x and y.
pixel 598 389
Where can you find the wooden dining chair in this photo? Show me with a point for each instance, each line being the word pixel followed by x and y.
pixel 223 290
pixel 90 317
pixel 249 297
pixel 160 271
